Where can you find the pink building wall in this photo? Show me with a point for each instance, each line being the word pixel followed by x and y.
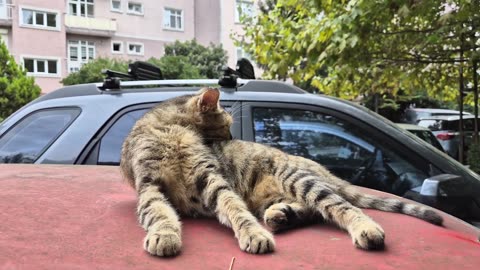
pixel 27 41
pixel 208 21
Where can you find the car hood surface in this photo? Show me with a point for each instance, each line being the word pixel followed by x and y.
pixel 83 217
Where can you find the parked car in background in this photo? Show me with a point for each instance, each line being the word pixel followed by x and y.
pixel 54 217
pixel 87 124
pixel 423 133
pixel 446 129
pixel 413 115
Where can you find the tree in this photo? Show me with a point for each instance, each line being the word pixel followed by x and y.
pixel 92 71
pixel 176 67
pixel 16 89
pixel 366 47
pixel 209 60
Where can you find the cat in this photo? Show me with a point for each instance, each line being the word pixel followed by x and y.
pixel 181 159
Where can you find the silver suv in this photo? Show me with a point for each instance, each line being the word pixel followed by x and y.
pixel 86 124
pixel 413 115
pixel 446 129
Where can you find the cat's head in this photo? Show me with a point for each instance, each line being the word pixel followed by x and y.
pixel 200 111
pixel 210 119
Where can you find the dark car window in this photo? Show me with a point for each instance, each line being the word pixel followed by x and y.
pixel 27 140
pixel 111 143
pixel 348 151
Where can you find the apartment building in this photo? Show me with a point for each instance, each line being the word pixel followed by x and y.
pixel 52 38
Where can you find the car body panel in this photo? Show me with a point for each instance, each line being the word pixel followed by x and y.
pixel 412 115
pixel 83 217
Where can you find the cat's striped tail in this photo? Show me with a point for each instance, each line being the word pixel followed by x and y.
pixel 362 200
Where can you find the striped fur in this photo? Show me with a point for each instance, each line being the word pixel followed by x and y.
pixel 181 161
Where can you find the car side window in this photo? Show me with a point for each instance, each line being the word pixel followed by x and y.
pixel 27 140
pixel 111 142
pixel 345 149
pixel 110 145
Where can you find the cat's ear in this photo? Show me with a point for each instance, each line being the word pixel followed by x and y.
pixel 209 99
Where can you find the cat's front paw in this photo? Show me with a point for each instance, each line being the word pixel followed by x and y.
pixel 368 235
pixel 163 244
pixel 256 240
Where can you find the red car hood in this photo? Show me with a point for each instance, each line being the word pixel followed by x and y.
pixel 83 217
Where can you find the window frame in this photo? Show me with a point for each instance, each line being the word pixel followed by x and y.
pixel 121 51
pixel 119 10
pixel 134 12
pixel 37 58
pixel 167 15
pixel 43 11
pixel 142 48
pixel 54 139
pixel 78 4
pixel 78 44
pixel 239 5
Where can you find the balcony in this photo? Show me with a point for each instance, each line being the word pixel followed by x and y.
pixel 99 27
pixel 6 10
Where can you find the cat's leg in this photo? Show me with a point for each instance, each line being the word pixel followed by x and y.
pixel 365 232
pixel 232 211
pixel 159 219
pixel 285 215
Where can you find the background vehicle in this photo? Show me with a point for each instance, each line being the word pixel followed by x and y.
pixel 423 133
pixel 446 129
pixel 53 217
pixel 86 124
pixel 413 115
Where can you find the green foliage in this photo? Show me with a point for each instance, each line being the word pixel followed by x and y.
pixel 366 47
pixel 182 60
pixel 16 89
pixel 209 60
pixel 393 107
pixel 92 71
pixel 473 157
pixel 176 67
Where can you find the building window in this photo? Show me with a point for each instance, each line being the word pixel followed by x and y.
pixel 173 19
pixel 135 48
pixel 41 67
pixel 243 8
pixel 116 5
pixel 39 18
pixel 79 53
pixel 83 8
pixel 243 54
pixel 117 47
pixel 135 8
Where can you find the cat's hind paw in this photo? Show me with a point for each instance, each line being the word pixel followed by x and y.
pixel 369 236
pixel 256 241
pixel 164 244
pixel 279 216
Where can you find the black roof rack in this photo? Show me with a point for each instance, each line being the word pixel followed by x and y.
pixel 137 71
pixel 144 73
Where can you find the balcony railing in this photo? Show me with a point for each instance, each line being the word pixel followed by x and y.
pixel 90 26
pixel 6 10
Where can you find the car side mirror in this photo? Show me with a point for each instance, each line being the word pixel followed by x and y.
pixel 432 185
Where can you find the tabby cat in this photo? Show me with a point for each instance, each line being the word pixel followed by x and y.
pixel 181 160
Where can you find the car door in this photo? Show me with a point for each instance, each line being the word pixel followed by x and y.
pixel 349 148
